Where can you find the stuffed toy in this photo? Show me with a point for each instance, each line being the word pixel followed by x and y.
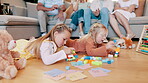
pixel 9 66
pixel 125 43
pixel 129 43
pixel 21 44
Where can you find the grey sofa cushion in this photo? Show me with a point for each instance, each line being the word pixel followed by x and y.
pixel 19 11
pixel 139 20
pixel 17 20
pixel 67 22
pixel 53 22
pixel 31 10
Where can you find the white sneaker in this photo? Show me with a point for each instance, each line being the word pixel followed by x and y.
pixel 105 40
pixel 43 34
pixel 81 34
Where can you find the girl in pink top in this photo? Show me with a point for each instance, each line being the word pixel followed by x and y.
pixel 46 47
pixel 92 43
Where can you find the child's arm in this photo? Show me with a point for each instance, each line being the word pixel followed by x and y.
pixel 94 51
pixel 48 55
pixel 70 43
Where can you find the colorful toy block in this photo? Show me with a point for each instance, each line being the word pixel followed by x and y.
pixel 67 67
pixel 72 57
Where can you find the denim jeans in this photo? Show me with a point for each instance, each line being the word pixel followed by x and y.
pixel 77 17
pixel 88 15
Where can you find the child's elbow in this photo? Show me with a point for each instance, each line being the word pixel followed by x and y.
pixel 90 53
pixel 46 62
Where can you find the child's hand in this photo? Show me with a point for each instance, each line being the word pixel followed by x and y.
pixel 68 50
pixel 111 51
pixel 109 45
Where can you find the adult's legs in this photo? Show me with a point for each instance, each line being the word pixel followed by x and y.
pixel 114 24
pixel 81 21
pixel 87 20
pixel 74 21
pixel 124 22
pixel 104 13
pixel 77 19
pixel 42 20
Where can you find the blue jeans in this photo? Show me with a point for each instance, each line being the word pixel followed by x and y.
pixel 88 15
pixel 77 18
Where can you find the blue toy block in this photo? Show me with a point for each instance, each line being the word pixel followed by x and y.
pixel 104 61
pixel 112 60
pixel 117 53
pixel 87 57
pixel 80 62
pixel 109 62
pixel 114 41
pixel 67 67
pixel 99 58
pixel 107 59
pixel 76 63
pixel 76 56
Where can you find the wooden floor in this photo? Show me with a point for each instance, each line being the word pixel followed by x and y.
pixel 130 67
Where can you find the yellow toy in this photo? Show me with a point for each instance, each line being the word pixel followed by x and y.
pixel 20 46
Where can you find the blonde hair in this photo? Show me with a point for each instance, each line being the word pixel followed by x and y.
pixel 94 30
pixel 35 45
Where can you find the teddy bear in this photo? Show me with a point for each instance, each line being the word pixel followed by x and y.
pixel 10 61
pixel 125 43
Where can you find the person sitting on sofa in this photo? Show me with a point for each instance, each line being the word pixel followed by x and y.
pixel 50 10
pixel 77 15
pixel 124 9
pixel 99 9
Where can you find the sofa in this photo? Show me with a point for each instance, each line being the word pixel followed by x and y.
pixel 28 11
pixel 19 25
pixel 136 23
